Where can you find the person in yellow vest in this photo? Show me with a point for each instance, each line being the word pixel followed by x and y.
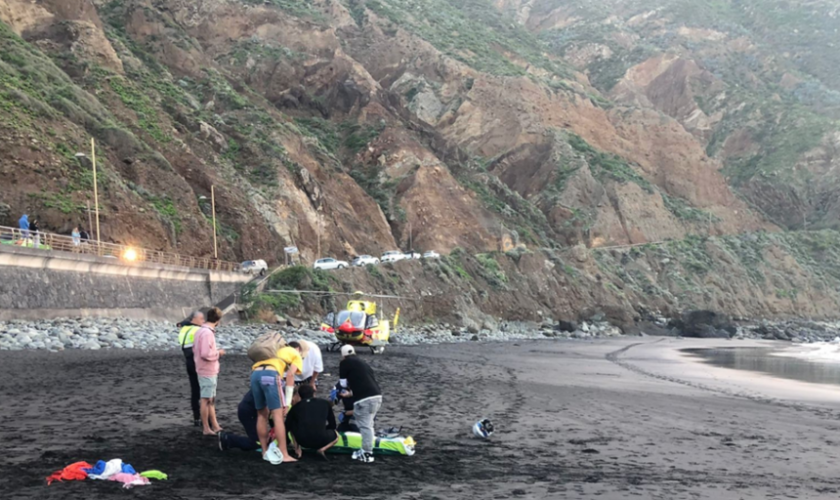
pixel 186 338
pixel 269 397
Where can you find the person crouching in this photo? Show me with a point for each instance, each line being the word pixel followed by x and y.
pixel 311 423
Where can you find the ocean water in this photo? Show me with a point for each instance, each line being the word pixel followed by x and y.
pixel 816 363
pixel 826 352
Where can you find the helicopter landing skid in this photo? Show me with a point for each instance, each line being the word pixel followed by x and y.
pixel 375 349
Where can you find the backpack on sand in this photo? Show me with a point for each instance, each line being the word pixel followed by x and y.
pixel 266 346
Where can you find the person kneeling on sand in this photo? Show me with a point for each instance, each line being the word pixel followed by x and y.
pixel 206 357
pixel 248 416
pixel 266 379
pixel 311 422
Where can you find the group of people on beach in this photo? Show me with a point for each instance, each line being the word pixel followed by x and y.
pixel 281 399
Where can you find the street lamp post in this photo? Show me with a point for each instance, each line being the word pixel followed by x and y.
pixel 95 188
pixel 213 202
pixel 213 205
pixel 318 227
pixel 79 157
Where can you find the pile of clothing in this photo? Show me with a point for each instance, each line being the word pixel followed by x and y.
pixel 112 470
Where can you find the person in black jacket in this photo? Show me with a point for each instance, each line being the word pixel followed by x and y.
pixel 311 422
pixel 33 230
pixel 359 382
pixel 186 338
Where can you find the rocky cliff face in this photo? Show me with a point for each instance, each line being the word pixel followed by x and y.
pixel 360 126
pixel 754 82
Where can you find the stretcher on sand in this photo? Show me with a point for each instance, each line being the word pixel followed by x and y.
pixel 348 442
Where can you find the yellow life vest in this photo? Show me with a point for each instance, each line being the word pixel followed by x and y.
pixel 186 337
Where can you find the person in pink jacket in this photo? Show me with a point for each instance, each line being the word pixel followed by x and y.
pixel 206 356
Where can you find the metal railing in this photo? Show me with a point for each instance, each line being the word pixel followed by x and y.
pixel 125 253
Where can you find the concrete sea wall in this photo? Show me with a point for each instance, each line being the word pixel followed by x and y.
pixel 40 284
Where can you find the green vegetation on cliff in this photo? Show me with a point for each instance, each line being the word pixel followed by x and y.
pixel 471 31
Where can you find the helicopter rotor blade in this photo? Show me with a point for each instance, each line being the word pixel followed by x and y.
pixel 315 292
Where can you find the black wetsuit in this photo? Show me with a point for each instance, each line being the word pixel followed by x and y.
pixel 312 423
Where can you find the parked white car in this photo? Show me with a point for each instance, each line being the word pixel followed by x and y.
pixel 393 256
pixel 431 254
pixel 329 263
pixel 412 255
pixel 364 260
pixel 254 267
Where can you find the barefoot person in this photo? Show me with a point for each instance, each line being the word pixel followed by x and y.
pixel 359 382
pixel 206 356
pixel 266 379
pixel 186 339
pixel 311 422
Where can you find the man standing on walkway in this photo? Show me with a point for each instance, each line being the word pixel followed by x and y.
pixel 186 339
pixel 313 365
pixel 359 382
pixel 23 225
pixel 206 356
pixel 34 230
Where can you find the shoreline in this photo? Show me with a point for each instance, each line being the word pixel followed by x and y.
pixel 735 382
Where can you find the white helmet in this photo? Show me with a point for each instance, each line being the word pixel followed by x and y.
pixel 483 428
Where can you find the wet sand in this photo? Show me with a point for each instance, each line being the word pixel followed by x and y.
pixel 626 418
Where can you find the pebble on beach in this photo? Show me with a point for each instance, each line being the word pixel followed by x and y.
pixel 118 333
pixel 149 335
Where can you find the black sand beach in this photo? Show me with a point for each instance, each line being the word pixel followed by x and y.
pixel 606 419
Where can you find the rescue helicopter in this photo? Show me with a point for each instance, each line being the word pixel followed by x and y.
pixel 360 325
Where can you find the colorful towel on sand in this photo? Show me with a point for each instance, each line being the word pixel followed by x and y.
pixel 129 480
pixel 112 470
pixel 155 474
pixel 104 470
pixel 73 472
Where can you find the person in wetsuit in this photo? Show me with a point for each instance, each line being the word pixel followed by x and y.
pixel 311 422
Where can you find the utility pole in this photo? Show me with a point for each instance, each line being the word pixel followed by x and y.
pixel 318 224
pixel 95 191
pixel 410 245
pixel 90 219
pixel 213 203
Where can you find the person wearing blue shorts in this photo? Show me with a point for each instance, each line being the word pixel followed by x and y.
pixel 266 379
